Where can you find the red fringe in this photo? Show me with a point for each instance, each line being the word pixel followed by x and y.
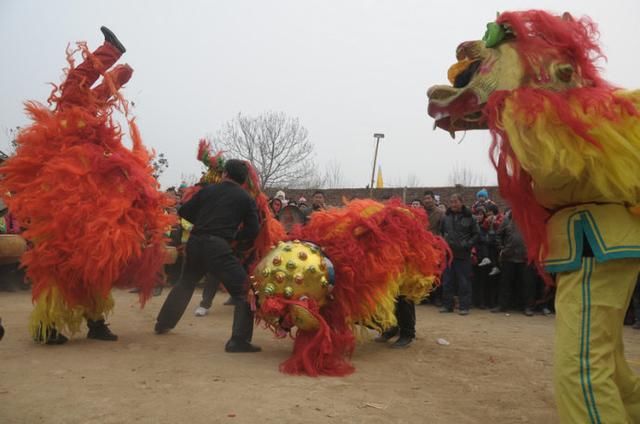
pixel 320 352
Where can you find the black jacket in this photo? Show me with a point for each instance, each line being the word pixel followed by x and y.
pixel 460 230
pixel 220 209
pixel 511 243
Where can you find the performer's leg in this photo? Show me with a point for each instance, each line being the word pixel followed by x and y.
pixel 229 270
pixel 95 317
pixel 179 297
pixel 118 76
pixel 209 291
pixel 99 330
pixel 87 73
pixel 390 332
pixel 628 383
pixel 590 307
pixel 406 314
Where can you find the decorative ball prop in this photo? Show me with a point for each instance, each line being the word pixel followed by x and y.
pixel 293 271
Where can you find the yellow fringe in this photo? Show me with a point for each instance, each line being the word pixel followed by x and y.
pixel 572 170
pixel 51 311
pixel 411 284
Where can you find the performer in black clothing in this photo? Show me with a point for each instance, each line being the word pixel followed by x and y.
pixel 217 211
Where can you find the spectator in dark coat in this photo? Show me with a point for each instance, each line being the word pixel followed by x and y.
pixel 515 272
pixel 460 229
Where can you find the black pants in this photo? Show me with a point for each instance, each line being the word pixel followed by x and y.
pixel 485 287
pixel 520 277
pixel 209 291
pixel 210 255
pixel 458 272
pixel 406 316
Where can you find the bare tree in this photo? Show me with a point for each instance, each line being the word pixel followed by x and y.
pixel 333 176
pixel 465 176
pixel 311 179
pixel 277 145
pixel 12 135
pixel 159 163
pixel 189 179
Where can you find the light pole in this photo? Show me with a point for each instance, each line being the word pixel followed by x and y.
pixel 377 136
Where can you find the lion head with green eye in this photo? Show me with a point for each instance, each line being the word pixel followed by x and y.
pixel 519 49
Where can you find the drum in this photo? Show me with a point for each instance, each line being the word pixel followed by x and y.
pixel 171 255
pixel 290 216
pixel 12 246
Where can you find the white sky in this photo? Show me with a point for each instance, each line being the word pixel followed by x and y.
pixel 347 69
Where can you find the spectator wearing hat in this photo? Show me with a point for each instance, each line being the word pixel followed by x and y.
pixel 280 195
pixel 482 200
pixel 275 206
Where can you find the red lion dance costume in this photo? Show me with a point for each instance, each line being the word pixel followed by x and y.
pixel 344 269
pixel 90 206
pixel 566 145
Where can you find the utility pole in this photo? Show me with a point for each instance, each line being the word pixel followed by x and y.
pixel 377 136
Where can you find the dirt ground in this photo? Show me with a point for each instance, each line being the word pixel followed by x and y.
pixel 497 369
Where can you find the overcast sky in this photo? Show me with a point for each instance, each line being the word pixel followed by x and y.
pixel 345 68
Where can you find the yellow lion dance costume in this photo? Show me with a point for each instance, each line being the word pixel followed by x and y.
pixel 566 145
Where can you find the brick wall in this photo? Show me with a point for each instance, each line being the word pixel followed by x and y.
pixel 334 196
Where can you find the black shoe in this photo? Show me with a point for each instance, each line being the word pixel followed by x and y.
pixel 387 335
pixel 98 330
pixel 56 338
pixel 636 325
pixel 111 38
pixel 233 346
pixel 402 342
pixel 53 337
pixel 160 329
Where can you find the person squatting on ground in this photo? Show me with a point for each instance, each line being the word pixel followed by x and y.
pixel 217 212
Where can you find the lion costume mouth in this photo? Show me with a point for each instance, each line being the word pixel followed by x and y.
pixel 459 106
pixel 456 109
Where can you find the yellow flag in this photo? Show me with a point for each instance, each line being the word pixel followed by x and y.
pixel 379 181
